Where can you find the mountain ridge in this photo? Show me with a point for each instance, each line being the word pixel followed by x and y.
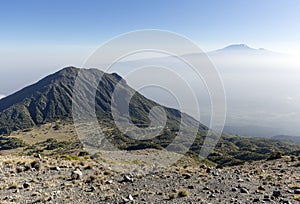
pixel 50 100
pixel 240 48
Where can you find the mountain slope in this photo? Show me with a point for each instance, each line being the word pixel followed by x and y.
pixel 50 100
pixel 45 101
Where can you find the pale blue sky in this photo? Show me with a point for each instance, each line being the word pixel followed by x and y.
pixel 274 24
pixel 39 37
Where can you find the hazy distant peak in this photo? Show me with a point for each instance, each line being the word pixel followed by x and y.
pixel 238 47
pixel 243 49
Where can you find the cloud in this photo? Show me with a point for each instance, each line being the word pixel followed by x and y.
pixel 289 100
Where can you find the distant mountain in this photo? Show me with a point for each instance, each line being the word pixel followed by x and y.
pixel 263 132
pixel 241 49
pixel 237 47
pixel 235 53
pixel 251 130
pixel 295 139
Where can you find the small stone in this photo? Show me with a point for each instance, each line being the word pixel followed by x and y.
pixel 35 194
pixel 267 198
pixel 20 169
pixel 36 165
pixel 159 193
pixel 77 174
pixel 244 190
pixel 215 173
pixel 285 201
pixel 234 189
pixel 26 185
pixel 93 188
pixel 130 197
pixel 203 166
pixel 191 187
pixel 206 188
pixel 127 178
pixel 38 156
pixel 276 193
pixel 297 191
pixel 125 199
pixel 55 168
pixel 261 188
pixel 49 198
pixel 208 170
pixel 187 176
pixel 109 181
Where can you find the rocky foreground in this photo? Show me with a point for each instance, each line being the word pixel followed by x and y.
pixel 84 180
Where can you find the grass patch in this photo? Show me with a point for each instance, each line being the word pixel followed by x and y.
pixel 72 157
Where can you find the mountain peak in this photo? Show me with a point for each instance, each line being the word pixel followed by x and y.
pixel 238 47
pixel 50 99
pixel 243 49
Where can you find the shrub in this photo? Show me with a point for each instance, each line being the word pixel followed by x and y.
pixel 56 127
pixel 10 143
pixel 183 193
pixel 275 155
pixel 72 157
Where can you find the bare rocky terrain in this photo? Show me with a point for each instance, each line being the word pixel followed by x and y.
pixel 25 179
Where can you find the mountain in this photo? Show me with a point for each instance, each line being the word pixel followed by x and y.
pixel 45 101
pixel 295 139
pixel 237 47
pixel 241 49
pixel 251 130
pixel 50 100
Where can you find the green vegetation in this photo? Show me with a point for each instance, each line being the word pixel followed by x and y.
pixel 10 143
pixel 72 157
pixel 52 147
pixel 275 155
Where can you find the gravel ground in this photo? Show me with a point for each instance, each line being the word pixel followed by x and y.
pixel 52 180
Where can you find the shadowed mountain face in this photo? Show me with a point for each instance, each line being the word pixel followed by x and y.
pixel 47 100
pixel 50 99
